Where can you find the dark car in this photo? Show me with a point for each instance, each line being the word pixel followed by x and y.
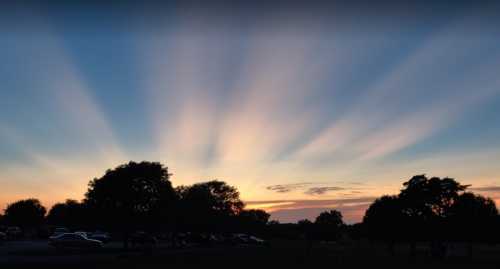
pixel 73 240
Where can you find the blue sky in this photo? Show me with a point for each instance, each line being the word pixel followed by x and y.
pixel 284 100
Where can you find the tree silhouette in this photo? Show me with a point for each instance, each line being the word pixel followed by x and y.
pixel 426 203
pixel 331 218
pixel 385 220
pixel 304 222
pixel 27 213
pixel 306 228
pixel 71 213
pixel 328 225
pixel 253 220
pixel 132 196
pixel 255 216
pixel 431 209
pixel 426 198
pixel 472 218
pixel 209 206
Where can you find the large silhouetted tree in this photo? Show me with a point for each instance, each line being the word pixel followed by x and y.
pixel 425 198
pixel 426 203
pixel 27 213
pixel 209 206
pixel 71 213
pixel 132 196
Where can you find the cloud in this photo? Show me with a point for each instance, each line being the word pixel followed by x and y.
pixel 309 188
pixel 322 190
pixel 422 109
pixel 304 203
pixel 287 211
pixel 486 189
pixel 284 188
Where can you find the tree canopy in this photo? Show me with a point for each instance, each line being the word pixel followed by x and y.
pixel 25 213
pixel 327 225
pixel 430 208
pixel 132 195
pixel 429 197
pixel 71 213
pixel 213 204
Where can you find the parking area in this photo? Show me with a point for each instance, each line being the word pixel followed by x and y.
pixel 29 253
pixel 39 252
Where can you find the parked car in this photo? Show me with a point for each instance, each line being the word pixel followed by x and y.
pixel 101 236
pixel 13 232
pixel 73 240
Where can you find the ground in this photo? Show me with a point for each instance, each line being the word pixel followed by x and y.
pixel 37 254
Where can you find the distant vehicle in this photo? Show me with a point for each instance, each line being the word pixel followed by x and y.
pixel 99 235
pixel 13 232
pixel 59 231
pixel 73 240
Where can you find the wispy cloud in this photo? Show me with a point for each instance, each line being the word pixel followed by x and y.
pixel 322 190
pixel 486 189
pixel 311 188
pixel 284 188
pixel 412 102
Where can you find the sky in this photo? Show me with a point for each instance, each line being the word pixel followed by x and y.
pixel 303 108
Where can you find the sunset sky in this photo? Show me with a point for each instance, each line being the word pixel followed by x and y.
pixel 302 109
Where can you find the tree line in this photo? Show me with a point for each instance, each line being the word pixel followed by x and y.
pixel 140 196
pixel 434 210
